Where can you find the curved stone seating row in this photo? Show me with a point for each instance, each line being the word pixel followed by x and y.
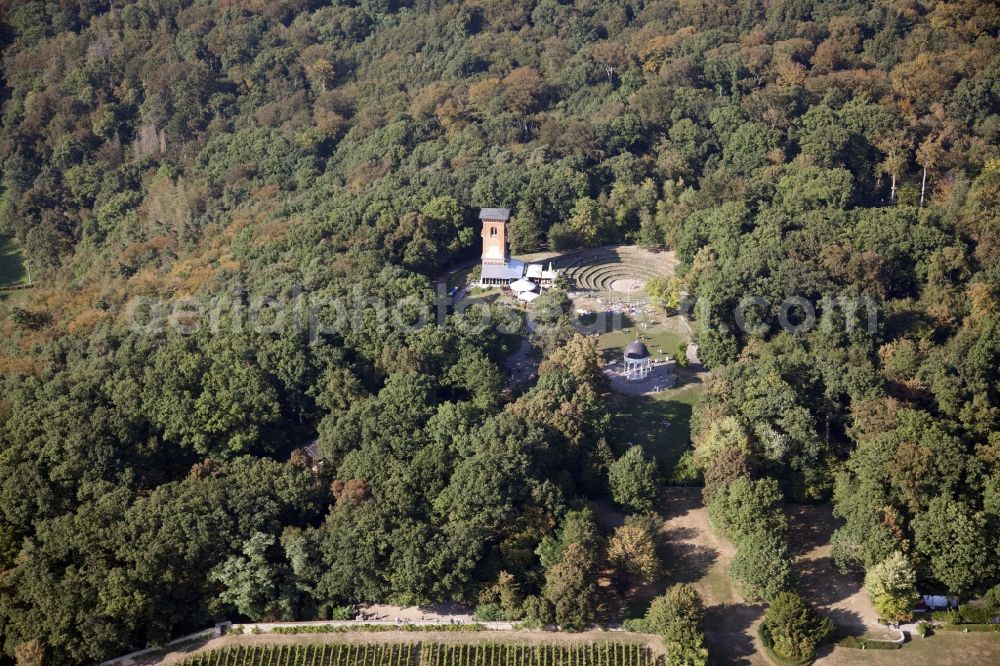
pixel 598 268
pixel 605 283
pixel 593 255
pixel 605 258
pixel 601 276
pixel 611 260
pixel 640 267
pixel 595 271
pixel 605 280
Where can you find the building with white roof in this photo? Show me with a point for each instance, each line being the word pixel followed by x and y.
pixel 498 268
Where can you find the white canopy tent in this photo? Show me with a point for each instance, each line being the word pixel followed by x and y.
pixel 523 285
pixel 527 296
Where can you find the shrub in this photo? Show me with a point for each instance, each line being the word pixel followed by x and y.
pixel 501 601
pixel 490 612
pixel 680 355
pixel 373 628
pixel 971 627
pixel 966 615
pixel 992 597
pixel 638 625
pixel 342 613
pixel 946 617
pixel 924 629
pixel 793 627
pixel 685 472
pixel 768 642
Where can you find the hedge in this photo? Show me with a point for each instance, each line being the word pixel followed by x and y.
pixel 970 627
pixel 765 639
pixel 374 628
pixel 867 644
pixel 966 615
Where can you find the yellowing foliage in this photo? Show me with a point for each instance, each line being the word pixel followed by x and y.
pixel 86 321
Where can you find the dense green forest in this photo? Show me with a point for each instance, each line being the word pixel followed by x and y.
pixel 241 150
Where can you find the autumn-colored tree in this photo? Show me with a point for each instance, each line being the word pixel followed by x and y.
pixel 612 56
pixel 891 584
pixel 894 146
pixel 929 155
pixel 631 550
pixel 30 653
pixel 522 90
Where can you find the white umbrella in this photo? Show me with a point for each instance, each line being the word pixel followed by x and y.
pixel 522 285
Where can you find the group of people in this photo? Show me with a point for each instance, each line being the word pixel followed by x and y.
pixel 618 306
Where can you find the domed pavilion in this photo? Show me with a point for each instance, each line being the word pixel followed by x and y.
pixel 637 361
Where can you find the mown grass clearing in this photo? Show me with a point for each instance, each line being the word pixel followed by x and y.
pixel 656 338
pixel 12 268
pixel 660 423
pixel 942 649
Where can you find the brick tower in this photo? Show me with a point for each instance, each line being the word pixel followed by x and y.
pixel 495 236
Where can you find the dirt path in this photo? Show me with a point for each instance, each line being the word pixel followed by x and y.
pixel 694 554
pixel 447 612
pixel 841 597
pixel 531 637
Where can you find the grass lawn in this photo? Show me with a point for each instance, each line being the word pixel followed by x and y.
pixel 640 420
pixel 643 419
pixel 460 278
pixel 12 269
pixel 612 344
pixel 944 647
pixel 481 297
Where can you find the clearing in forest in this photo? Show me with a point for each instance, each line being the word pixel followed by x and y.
pixel 692 553
pixel 12 268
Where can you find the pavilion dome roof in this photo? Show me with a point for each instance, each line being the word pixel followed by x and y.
pixel 636 350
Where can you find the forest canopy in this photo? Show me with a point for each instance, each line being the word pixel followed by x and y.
pixel 239 151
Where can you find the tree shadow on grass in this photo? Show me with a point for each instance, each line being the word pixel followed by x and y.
pixel 822 584
pixel 679 501
pixel 810 526
pixel 678 534
pixel 687 562
pixel 729 632
pixel 661 425
pixel 849 623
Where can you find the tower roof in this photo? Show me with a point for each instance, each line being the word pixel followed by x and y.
pixel 494 214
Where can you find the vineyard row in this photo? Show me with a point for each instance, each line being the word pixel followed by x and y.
pixel 428 654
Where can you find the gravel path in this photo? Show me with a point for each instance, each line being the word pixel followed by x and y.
pixel 841 597
pixel 694 554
